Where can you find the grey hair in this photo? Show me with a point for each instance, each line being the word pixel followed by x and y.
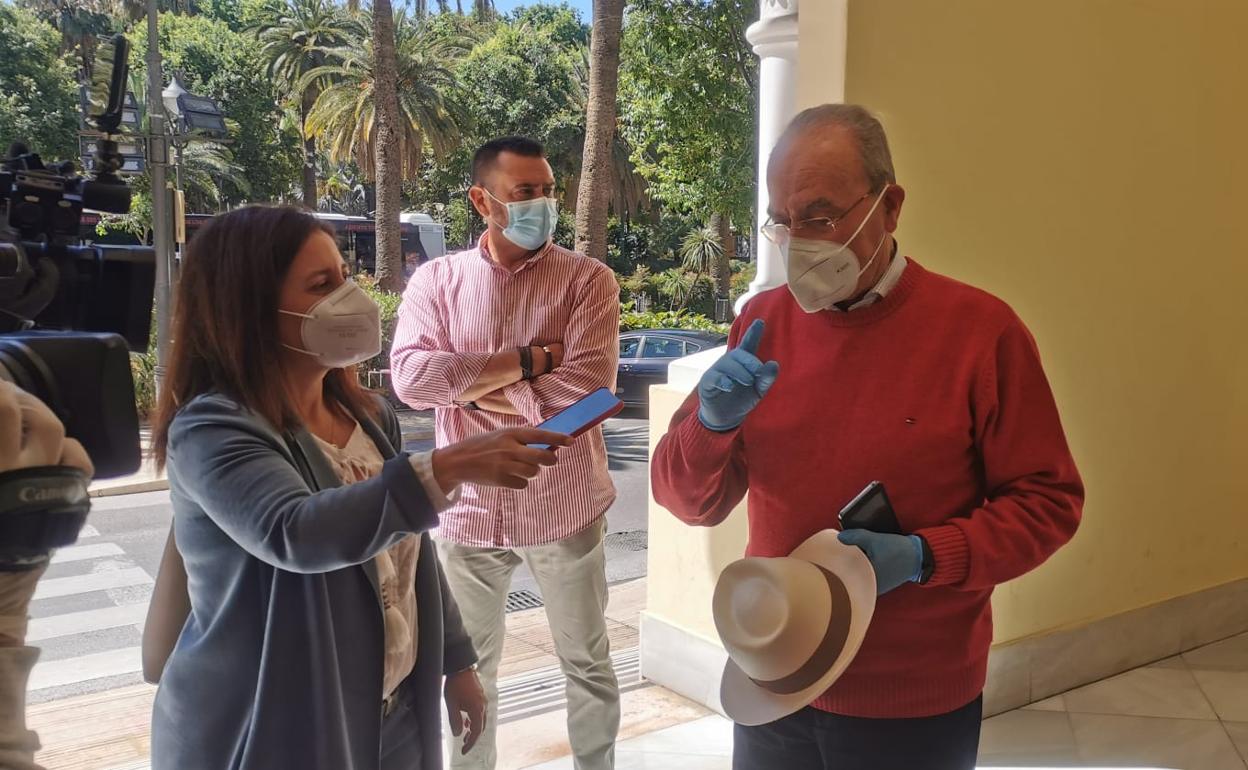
pixel 877 161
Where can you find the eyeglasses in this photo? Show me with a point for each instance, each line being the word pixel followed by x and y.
pixel 817 228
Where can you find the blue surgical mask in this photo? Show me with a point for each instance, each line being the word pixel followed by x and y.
pixel 531 223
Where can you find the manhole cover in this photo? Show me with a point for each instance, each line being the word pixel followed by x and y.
pixel 523 600
pixel 631 540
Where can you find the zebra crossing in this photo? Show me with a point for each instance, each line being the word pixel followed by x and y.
pixel 86 618
pixel 543 690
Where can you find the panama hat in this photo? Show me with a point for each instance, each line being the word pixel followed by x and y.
pixel 791 626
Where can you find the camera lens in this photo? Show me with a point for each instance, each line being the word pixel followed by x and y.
pixel 11 262
pixel 27 215
pixel 24 368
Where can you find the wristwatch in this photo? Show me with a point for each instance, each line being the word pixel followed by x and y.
pixel 526 363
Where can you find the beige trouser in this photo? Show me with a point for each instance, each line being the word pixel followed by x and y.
pixel 571 574
pixel 17 744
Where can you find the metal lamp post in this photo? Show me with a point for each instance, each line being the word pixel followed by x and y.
pixel 184 116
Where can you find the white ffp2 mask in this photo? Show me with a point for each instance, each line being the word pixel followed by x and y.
pixel 342 329
pixel 823 273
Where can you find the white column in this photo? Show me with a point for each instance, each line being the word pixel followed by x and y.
pixel 774 37
pixel 775 40
pixel 679 649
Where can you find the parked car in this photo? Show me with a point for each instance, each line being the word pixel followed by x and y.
pixel 646 353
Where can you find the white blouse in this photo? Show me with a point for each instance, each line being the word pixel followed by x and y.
pixel 359 460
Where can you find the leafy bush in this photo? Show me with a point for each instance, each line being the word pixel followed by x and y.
pixel 143 371
pixel 743 274
pixel 667 319
pixel 389 303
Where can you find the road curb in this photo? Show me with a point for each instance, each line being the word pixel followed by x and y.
pixel 138 487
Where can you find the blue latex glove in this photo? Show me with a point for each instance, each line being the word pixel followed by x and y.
pixel 735 383
pixel 897 559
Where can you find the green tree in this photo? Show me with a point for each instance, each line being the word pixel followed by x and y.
pixel 530 76
pixel 520 80
pixel 295 43
pixel 701 251
pixel 344 116
pixel 38 98
pixel 207 169
pixel 689 89
pixel 253 14
pixel 597 169
pixel 83 22
pixel 341 188
pixel 347 118
pixel 513 81
pixel 624 189
pixel 561 24
pixel 678 285
pixel 388 122
pixel 220 63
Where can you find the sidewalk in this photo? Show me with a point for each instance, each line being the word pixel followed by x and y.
pixel 111 731
pixel 1186 713
pixel 417 426
pixel 1189 712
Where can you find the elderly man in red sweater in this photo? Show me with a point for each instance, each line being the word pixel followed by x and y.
pixel 870 367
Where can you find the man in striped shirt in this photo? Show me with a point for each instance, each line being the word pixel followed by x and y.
pixel 508 334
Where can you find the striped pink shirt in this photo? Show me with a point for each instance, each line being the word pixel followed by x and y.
pixel 459 310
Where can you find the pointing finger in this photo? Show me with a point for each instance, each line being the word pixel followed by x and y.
pixel 753 336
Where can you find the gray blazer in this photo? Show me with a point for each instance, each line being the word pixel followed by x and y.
pixel 280 663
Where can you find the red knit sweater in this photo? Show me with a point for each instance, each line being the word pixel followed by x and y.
pixel 937 391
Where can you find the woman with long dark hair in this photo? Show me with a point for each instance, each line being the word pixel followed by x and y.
pixel 319 628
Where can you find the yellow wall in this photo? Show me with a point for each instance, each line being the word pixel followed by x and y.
pixel 683 562
pixel 1087 160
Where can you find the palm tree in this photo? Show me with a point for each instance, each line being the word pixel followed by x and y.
pixel 389 165
pixel 566 150
pixel 206 168
pixel 700 250
pixel 352 114
pixel 83 22
pixel 703 252
pixel 344 116
pixel 295 43
pixel 341 190
pixel 721 271
pixel 600 128
pixel 677 285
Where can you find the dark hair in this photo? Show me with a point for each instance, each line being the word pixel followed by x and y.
pixel 225 330
pixel 486 156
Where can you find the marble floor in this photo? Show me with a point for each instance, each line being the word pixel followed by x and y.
pixel 1186 713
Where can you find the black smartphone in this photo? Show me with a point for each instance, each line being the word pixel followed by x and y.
pixel 872 510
